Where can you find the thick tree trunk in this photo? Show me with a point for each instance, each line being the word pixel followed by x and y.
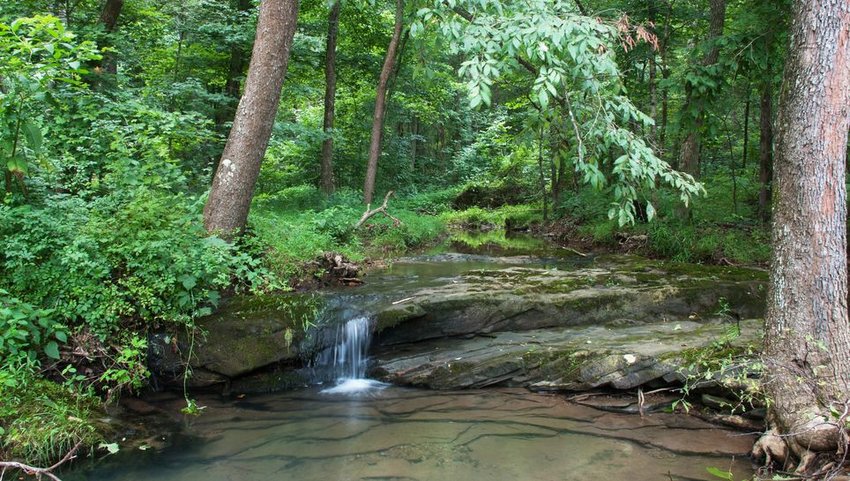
pixel 765 151
pixel 226 211
pixel 327 176
pixel 689 153
pixel 807 335
pixel 381 107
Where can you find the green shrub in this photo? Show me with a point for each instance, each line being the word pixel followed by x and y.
pixel 140 256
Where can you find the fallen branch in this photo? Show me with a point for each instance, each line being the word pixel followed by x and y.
pixel 39 472
pixel 379 210
pixel 574 251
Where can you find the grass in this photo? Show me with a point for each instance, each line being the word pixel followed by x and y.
pixel 298 224
pixel 41 420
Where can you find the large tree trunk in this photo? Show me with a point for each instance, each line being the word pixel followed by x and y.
pixel 807 336
pixel 227 208
pixel 327 178
pixel 381 107
pixel 689 153
pixel 765 150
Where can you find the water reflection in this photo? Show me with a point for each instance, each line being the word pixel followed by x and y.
pixel 402 434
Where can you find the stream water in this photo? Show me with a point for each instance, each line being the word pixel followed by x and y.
pixel 355 429
pixel 404 434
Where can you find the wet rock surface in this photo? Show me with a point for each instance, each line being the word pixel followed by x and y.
pixel 454 321
pixel 623 289
pixel 569 359
pixel 619 322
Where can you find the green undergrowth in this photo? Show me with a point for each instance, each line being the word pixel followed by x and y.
pixel 41 420
pixel 298 224
pixel 716 230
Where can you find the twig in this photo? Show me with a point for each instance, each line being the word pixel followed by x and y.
pixel 574 251
pixel 379 210
pixel 39 472
pixel 402 300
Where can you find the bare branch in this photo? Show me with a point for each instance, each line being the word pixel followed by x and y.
pixel 39 472
pixel 379 210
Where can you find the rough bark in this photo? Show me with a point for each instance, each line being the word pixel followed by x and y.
pixel 689 153
pixel 765 150
pixel 381 107
pixel 229 201
pixel 326 181
pixel 807 336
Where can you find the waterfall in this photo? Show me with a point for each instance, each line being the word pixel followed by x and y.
pixel 348 359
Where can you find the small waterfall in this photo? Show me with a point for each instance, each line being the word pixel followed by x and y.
pixel 347 360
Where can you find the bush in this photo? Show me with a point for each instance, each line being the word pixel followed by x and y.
pixel 142 257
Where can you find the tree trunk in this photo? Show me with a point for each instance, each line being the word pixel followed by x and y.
pixel 746 130
pixel 226 211
pixel 665 74
pixel 689 153
pixel 109 20
pixel 235 70
pixel 653 101
pixel 765 151
pixel 807 336
pixel 381 107
pixel 326 181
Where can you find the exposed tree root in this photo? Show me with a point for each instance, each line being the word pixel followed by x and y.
pixel 817 450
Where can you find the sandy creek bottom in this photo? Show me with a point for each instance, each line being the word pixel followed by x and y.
pixel 406 434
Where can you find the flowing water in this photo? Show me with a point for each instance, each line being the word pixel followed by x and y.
pixel 348 359
pixel 352 428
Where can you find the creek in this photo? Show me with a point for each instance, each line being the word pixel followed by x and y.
pixel 353 428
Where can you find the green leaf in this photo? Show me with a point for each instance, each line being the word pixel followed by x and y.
pixel 61 336
pixel 52 350
pixel 650 211
pixel 17 165
pixel 720 474
pixel 188 281
pixel 111 447
pixel 33 135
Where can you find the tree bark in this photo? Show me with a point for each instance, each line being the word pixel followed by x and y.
pixel 381 107
pixel 109 20
pixel 765 150
pixel 226 211
pixel 653 100
pixel 807 336
pixel 235 70
pixel 689 153
pixel 326 181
